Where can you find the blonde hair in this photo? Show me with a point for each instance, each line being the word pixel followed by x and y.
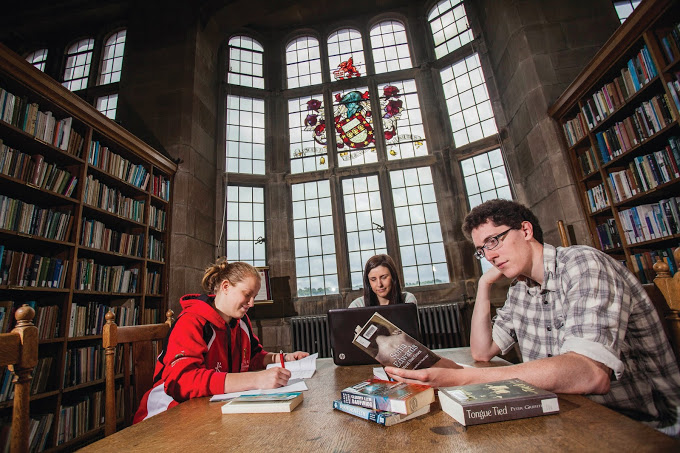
pixel 221 270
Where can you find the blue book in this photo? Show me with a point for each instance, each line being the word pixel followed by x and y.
pixel 603 147
pixel 633 74
pixel 385 418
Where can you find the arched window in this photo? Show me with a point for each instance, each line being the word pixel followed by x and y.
pixel 346 54
pixel 467 100
pixel 303 62
pixel 38 59
pixel 112 58
pixel 246 58
pixel 390 47
pixel 450 27
pixel 78 60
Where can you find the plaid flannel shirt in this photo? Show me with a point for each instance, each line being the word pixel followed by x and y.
pixel 592 305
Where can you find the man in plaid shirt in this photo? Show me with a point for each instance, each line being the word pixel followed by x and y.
pixel 582 320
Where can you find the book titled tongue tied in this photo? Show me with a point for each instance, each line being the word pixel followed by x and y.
pixel 391 346
pixel 262 403
pixel 510 399
pixel 392 396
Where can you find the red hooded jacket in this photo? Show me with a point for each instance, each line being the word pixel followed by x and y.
pixel 200 350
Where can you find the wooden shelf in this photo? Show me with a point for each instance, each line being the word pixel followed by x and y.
pixel 88 126
pixel 623 171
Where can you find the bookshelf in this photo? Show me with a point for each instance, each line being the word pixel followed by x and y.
pixel 85 211
pixel 619 120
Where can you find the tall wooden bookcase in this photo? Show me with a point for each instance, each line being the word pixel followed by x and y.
pixel 85 210
pixel 620 124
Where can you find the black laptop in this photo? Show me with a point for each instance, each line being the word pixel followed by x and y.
pixel 343 321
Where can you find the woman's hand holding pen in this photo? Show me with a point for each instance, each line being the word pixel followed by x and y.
pixel 272 378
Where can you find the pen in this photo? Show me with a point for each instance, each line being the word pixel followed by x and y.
pixel 283 364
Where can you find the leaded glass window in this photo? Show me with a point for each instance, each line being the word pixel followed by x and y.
pixel 390 47
pixel 485 177
pixel 112 58
pixel 346 54
pixel 419 230
pixel 38 59
pixel 364 222
pixel 245 135
pixel 402 120
pixel 78 61
pixel 467 100
pixel 246 57
pixel 315 259
pixel 354 133
pixel 107 105
pixel 625 8
pixel 303 62
pixel 450 27
pixel 307 133
pixel 245 225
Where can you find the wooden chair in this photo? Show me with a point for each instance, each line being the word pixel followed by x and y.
pixel 19 351
pixel 138 372
pixel 664 293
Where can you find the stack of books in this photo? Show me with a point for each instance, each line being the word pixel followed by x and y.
pixel 385 402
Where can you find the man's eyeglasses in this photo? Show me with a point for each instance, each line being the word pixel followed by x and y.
pixel 492 243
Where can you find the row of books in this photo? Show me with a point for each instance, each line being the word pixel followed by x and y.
pixel 597 198
pixel 651 221
pixel 674 89
pixel 35 171
pixel 89 318
pixel 27 116
pixel 83 365
pixel 85 415
pixel 156 249
pixel 27 218
pixel 670 43
pixel 608 235
pixel 160 187
pixel 114 164
pixel 110 199
pixel 575 129
pixel 91 276
pixel 588 161
pixel 639 70
pixel 645 173
pixel 647 119
pixel 96 234
pixel 41 375
pixel 153 282
pixel 157 218
pixel 29 269
pixel 46 318
pixel 643 263
pixel 39 429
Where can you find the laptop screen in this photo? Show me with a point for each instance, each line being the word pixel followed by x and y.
pixel 342 323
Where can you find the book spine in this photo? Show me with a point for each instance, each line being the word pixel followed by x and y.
pixel 511 410
pixel 361 412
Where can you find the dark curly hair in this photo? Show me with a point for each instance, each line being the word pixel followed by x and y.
pixel 501 212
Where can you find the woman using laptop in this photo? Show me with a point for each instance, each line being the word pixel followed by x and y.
pixel 381 284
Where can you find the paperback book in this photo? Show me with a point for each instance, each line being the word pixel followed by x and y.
pixel 385 418
pixel 510 399
pixel 390 396
pixel 391 346
pixel 263 403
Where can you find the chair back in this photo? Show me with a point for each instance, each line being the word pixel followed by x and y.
pixel 19 351
pixel 137 359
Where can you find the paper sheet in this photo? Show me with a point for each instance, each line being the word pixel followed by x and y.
pixel 293 386
pixel 300 369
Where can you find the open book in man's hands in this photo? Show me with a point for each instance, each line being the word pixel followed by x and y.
pixel 390 346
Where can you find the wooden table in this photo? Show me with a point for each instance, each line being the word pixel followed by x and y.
pixel 198 425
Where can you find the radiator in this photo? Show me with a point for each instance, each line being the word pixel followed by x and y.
pixel 310 333
pixel 441 326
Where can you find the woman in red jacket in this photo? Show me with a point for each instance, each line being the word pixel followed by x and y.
pixel 212 349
